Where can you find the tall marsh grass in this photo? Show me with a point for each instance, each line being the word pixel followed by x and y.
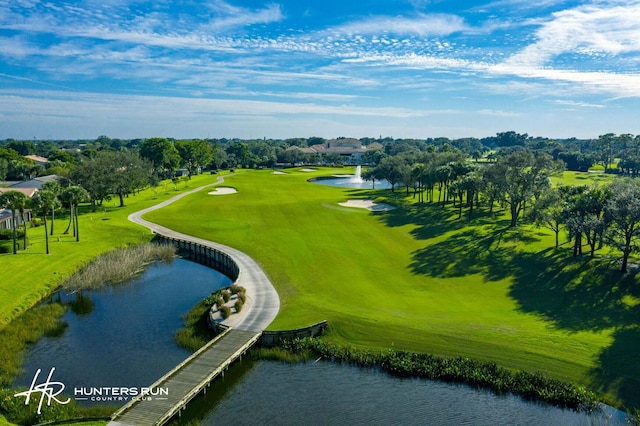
pixel 23 331
pixel 119 265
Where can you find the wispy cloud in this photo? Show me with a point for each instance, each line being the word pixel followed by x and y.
pixel 422 24
pixel 577 104
pixel 587 30
pixel 238 17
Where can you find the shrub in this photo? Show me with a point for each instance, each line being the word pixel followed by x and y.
pixel 225 311
pixel 219 302
pixel 242 297
pixel 530 386
pixel 235 289
pixel 238 305
pixel 7 234
pixel 226 295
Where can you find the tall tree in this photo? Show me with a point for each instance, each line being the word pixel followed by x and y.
pixel 73 196
pixel 549 211
pixel 521 175
pixel 162 153
pixel 16 202
pixel 196 154
pixel 605 144
pixel 390 168
pixel 4 168
pixel 112 173
pixel 43 202
pixel 623 217
pixel 130 173
pixel 55 188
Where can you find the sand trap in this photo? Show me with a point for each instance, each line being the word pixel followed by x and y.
pixel 278 173
pixel 308 170
pixel 223 190
pixel 368 204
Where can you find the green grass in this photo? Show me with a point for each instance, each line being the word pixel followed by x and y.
pixel 25 330
pixel 580 178
pixel 31 275
pixel 196 331
pixel 418 279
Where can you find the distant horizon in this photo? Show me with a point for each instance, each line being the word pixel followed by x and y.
pixel 94 139
pixel 258 69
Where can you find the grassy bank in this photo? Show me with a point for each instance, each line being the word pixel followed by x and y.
pixel 34 274
pixel 25 330
pixel 418 279
pixel 485 375
pixel 14 340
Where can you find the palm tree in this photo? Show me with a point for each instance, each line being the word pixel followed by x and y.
pixel 55 188
pixel 43 202
pixel 73 196
pixel 14 201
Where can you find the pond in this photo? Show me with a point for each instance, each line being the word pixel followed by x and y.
pixel 123 334
pixel 348 182
pixel 354 181
pixel 323 393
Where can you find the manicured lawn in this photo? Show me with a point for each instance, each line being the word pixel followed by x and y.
pixel 579 178
pixel 418 278
pixel 31 274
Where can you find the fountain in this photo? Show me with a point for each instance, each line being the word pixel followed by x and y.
pixel 353 181
pixel 357 178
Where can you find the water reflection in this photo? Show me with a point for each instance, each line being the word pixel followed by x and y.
pixel 272 393
pixel 122 336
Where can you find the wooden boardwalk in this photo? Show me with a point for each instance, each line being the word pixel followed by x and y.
pixel 186 380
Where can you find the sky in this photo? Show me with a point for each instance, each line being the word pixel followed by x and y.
pixel 297 68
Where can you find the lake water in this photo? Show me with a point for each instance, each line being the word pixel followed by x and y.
pixel 348 182
pixel 323 393
pixel 123 337
pixel 126 340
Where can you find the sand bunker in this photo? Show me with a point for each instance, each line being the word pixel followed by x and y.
pixel 279 173
pixel 368 204
pixel 223 190
pixel 308 170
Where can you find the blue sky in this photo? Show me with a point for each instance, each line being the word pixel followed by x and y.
pixel 296 68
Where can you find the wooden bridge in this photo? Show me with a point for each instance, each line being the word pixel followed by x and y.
pixel 186 380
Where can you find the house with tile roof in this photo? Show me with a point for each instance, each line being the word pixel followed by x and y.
pixel 350 150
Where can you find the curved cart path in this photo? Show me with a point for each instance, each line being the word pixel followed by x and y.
pixel 263 302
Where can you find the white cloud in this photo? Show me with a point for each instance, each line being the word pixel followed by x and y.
pixel 578 104
pixel 586 30
pixel 422 25
pixel 236 17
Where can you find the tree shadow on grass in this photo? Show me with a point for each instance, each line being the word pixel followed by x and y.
pixel 574 294
pixel 618 369
pixel 477 250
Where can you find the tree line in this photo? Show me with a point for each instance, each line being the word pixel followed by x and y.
pixel 509 170
pixel 609 152
pixel 518 180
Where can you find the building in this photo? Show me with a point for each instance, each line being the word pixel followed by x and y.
pixel 34 183
pixel 350 150
pixel 7 223
pixel 37 159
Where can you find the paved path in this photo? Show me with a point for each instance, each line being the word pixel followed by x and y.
pixel 263 302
